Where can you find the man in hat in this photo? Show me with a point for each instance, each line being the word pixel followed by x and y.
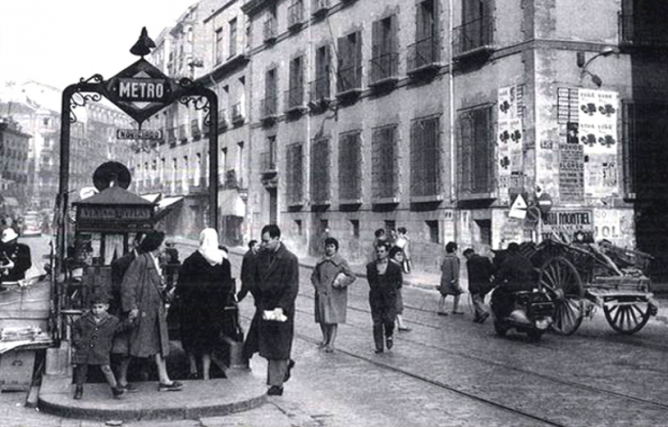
pixel 14 258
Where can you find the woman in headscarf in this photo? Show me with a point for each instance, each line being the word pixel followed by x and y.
pixel 204 283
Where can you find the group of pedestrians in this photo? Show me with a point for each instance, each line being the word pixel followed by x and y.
pixel 135 326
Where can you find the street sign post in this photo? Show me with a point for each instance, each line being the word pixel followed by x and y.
pixel 152 134
pixel 545 203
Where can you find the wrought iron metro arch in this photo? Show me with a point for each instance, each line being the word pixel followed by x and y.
pixel 185 91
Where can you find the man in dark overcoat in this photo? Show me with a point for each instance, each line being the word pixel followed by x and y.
pixel 516 273
pixel 480 272
pixel 247 269
pixel 275 285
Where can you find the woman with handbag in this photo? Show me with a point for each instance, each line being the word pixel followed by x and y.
pixel 205 281
pixel 331 277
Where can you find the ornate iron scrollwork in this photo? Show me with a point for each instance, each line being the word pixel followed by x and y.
pixel 81 97
pixel 199 102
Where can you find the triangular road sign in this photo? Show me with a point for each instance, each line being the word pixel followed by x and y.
pixel 519 208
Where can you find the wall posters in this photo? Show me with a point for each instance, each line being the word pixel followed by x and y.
pixel 571 172
pixel 565 223
pixel 510 140
pixel 597 115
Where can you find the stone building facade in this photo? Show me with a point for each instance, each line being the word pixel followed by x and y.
pixel 462 120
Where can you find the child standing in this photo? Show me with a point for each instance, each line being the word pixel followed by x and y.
pixel 92 336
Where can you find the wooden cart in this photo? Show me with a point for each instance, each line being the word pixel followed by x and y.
pixel 583 276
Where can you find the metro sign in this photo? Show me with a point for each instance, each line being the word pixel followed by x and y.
pixel 141 90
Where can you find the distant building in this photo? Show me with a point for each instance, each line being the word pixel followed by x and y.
pixel 92 141
pixel 13 163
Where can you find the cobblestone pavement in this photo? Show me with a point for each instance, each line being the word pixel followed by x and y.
pixel 447 371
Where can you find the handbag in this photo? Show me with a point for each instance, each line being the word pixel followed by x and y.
pixel 340 281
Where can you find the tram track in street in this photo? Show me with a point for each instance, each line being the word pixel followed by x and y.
pixel 517 370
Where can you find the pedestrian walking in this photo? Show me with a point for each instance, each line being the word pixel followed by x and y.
pixel 384 279
pixel 450 280
pixel 403 243
pixel 275 286
pixel 92 337
pixel 397 256
pixel 120 348
pixel 480 272
pixel 380 236
pixel 247 265
pixel 205 281
pixel 331 277
pixel 142 297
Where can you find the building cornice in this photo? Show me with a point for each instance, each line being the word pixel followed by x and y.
pixel 254 6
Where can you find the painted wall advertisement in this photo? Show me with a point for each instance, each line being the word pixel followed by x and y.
pixel 510 140
pixel 565 223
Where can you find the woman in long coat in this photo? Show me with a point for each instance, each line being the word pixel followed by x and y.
pixel 142 296
pixel 331 277
pixel 205 282
pixel 450 280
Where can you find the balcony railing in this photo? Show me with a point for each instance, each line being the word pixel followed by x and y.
pixel 183 136
pixel 237 113
pixel 222 120
pixel 349 80
pixel 270 30
pixel 195 129
pixel 424 54
pixel 384 68
pixel 321 90
pixel 474 37
pixel 171 136
pixel 320 8
pixel 267 162
pixel 294 99
pixel 295 16
pixel 268 107
pixel 637 30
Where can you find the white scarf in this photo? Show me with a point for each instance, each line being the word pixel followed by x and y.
pixel 208 247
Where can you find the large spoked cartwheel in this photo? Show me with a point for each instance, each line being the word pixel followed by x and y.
pixel 627 314
pixel 561 280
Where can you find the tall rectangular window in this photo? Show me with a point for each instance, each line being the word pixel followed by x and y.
pixel 295 93
pixel 476 151
pixel 320 172
pixel 426 158
pixel 384 183
pixel 233 38
pixel 426 49
pixel 350 167
pixel 219 46
pixel 350 62
pixel 269 104
pixel 385 59
pixel 321 85
pixel 477 26
pixel 295 174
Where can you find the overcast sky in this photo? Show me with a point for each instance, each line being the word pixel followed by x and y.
pixel 56 42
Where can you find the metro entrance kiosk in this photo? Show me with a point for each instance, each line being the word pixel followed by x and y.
pixel 108 219
pixel 105 224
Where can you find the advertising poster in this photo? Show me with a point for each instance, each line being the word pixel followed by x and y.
pixel 598 112
pixel 510 140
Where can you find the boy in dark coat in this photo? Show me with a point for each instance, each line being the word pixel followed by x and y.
pixel 92 336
